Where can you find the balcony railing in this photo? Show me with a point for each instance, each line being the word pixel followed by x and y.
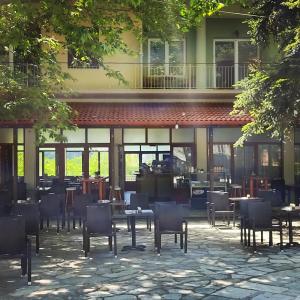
pixel 25 72
pixel 149 76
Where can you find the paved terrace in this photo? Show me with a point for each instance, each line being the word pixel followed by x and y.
pixel 215 267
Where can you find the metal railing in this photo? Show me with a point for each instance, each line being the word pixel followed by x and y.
pixel 149 76
pixel 25 72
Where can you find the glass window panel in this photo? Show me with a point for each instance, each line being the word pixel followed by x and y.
pixel 99 135
pixel 224 59
pixel 47 162
pixel 132 148
pixel 158 135
pixel 246 53
pixel 182 160
pixel 48 139
pixel 226 135
pixel 20 135
pixel 6 135
pixel 163 147
pixel 73 162
pixel 183 135
pixel 176 58
pixel 222 158
pixel 132 166
pixel 148 148
pixel 20 155
pixel 243 163
pixel 148 158
pixel 99 161
pixel 77 136
pixel 157 57
pixel 269 160
pixel 297 164
pixel 134 135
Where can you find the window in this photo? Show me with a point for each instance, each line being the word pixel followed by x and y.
pixel 99 161
pixel 222 158
pixel 269 160
pixel 47 162
pixel 166 58
pixel 73 161
pixel 84 62
pixel 232 58
pixel 20 160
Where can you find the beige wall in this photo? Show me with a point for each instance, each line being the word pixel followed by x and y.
pixel 201 54
pixel 94 79
pixel 201 148
pixel 30 158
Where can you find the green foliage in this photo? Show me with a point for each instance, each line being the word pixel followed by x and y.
pixel 271 93
pixel 39 30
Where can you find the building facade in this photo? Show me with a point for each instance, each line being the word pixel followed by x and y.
pixel 176 102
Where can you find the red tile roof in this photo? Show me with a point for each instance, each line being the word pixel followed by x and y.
pixel 149 115
pixel 156 114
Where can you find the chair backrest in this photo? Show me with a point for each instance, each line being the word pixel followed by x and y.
pixel 52 204
pixel 271 195
pixel 12 235
pixel 99 219
pixel 220 200
pixel 170 216
pixel 80 203
pixel 260 214
pixel 139 199
pixel 31 214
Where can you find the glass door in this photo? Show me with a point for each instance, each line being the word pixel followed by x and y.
pixel 224 64
pixel 244 163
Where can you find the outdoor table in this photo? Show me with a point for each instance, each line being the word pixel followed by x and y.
pixel 288 213
pixel 239 199
pixel 132 214
pixel 86 186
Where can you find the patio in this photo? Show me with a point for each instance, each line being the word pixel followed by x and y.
pixel 215 267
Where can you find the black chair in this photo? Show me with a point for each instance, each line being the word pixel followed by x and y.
pixel 169 220
pixel 219 205
pixel 273 196
pixel 260 219
pixel 14 244
pixel 140 200
pixel 99 223
pixel 30 213
pixel 52 206
pixel 78 208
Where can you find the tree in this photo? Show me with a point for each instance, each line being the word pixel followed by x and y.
pixel 271 93
pixel 38 30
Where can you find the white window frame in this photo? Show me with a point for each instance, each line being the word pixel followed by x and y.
pixel 236 56
pixel 166 62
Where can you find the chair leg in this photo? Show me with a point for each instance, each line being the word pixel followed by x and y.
pixel 254 241
pixel 158 243
pixel 270 238
pixel 37 243
pixel 249 236
pixel 57 224
pixel 175 238
pixel 41 223
pixel 24 264
pixel 233 219
pixel 47 223
pixel 68 221
pixel 80 222
pixel 115 245
pixel 29 262
pixel 245 236
pixel 280 235
pixel 110 243
pixel 185 240
pixel 74 223
pixel 261 237
pixel 181 240
pixel 241 231
pixel 128 225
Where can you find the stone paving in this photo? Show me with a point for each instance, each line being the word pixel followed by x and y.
pixel 215 267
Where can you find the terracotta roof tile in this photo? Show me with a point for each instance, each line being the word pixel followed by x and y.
pixel 156 114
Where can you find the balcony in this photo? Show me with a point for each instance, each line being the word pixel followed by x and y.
pixel 144 76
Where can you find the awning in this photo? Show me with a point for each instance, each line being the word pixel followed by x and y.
pixel 156 114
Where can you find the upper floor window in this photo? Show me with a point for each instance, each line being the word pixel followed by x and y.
pixel 231 61
pixel 166 58
pixel 75 62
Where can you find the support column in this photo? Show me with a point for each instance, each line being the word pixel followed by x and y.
pixel 30 154
pixel 117 143
pixel 288 160
pixel 15 164
pixel 201 67
pixel 201 148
